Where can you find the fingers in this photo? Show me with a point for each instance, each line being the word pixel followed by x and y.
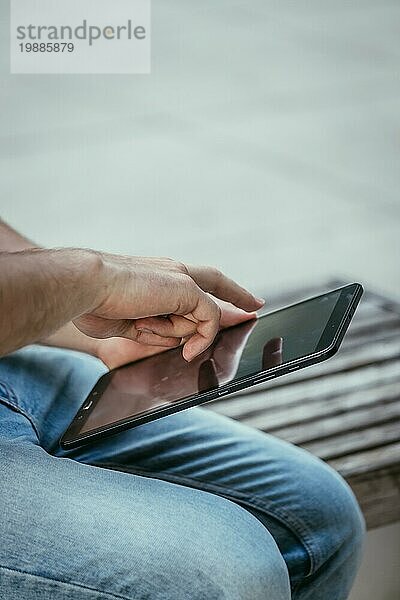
pixel 101 328
pixel 199 316
pixel 149 338
pixel 213 281
pixel 141 291
pixel 231 315
pixel 198 328
pixel 171 326
pixel 207 314
pixel 183 327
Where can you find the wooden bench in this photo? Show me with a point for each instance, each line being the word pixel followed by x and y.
pixel 346 410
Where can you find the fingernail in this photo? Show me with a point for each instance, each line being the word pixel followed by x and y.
pixel 185 355
pixel 260 301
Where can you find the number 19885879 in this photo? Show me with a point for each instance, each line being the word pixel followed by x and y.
pixel 47 47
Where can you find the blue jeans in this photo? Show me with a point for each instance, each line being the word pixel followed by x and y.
pixel 193 506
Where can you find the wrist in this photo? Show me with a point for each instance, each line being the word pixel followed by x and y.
pixel 84 267
pixel 95 277
pixel 75 271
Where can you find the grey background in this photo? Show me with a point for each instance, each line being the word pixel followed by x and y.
pixel 265 141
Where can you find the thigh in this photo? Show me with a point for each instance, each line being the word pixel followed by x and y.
pixel 72 530
pixel 307 507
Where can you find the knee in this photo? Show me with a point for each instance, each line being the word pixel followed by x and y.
pixel 338 522
pixel 247 561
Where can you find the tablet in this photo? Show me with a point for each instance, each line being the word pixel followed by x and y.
pixel 241 356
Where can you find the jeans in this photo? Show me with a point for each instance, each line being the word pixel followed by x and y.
pixel 192 506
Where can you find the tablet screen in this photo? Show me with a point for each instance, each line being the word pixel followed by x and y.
pixel 237 352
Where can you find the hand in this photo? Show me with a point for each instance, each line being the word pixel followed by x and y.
pixel 157 302
pixel 150 382
pixel 115 352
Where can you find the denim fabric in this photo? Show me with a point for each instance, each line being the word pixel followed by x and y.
pixel 193 506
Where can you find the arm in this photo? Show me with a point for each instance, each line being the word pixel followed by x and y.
pixel 151 301
pixel 150 287
pixel 42 290
pixel 67 336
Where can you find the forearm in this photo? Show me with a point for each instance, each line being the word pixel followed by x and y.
pixel 67 336
pixel 41 291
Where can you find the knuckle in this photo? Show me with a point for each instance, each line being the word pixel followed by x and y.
pixel 181 267
pixel 176 265
pixel 215 310
pixel 185 280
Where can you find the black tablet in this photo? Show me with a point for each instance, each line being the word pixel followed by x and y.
pixel 241 356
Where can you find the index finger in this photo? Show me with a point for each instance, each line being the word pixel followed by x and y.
pixel 215 282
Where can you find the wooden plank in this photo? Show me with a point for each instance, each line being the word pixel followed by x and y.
pixel 373 330
pixel 336 385
pixel 353 345
pixel 378 494
pixel 368 461
pixel 328 418
pixel 389 304
pixel 387 334
pixel 304 433
pixel 371 321
pixel 366 355
pixel 316 406
pixel 361 439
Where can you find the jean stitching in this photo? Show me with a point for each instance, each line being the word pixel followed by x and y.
pixel 9 393
pixel 296 525
pixel 76 585
pixel 10 398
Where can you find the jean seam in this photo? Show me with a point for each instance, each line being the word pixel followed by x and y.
pixel 297 527
pixel 9 397
pixel 76 585
pixel 10 393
